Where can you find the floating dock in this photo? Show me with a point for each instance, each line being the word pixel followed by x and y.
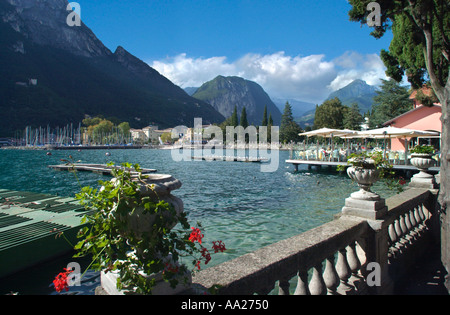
pixel 29 227
pixel 96 168
pixel 230 159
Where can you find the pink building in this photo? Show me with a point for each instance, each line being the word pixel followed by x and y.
pixel 419 118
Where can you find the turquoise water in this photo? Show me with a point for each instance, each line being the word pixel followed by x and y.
pixel 235 202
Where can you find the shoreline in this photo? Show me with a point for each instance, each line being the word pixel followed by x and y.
pixel 134 147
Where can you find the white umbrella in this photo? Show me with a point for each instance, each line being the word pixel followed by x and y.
pixel 327 132
pixel 393 132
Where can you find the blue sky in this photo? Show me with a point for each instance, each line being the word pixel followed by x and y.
pixel 294 49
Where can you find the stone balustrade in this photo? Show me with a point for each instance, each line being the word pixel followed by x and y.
pixel 350 255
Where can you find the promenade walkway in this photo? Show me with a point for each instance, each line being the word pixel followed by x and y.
pixel 427 277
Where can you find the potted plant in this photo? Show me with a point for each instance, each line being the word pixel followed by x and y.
pixel 138 232
pixel 423 150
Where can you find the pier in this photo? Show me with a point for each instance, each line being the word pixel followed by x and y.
pixel 29 227
pixel 320 164
pixel 96 168
pixel 230 159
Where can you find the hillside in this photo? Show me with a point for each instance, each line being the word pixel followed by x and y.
pixel 76 75
pixel 356 92
pixel 224 93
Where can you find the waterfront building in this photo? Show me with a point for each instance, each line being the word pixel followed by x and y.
pixel 421 117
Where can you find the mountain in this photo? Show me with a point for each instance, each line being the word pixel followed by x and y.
pixel 224 93
pixel 54 74
pixel 356 92
pixel 190 90
pixel 298 107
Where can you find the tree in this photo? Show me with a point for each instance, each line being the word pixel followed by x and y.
pixel 125 128
pixel 289 129
pixel 270 120
pixel 244 121
pixel 330 115
pixel 421 44
pixel 234 118
pixel 392 101
pixel 352 117
pixel 264 120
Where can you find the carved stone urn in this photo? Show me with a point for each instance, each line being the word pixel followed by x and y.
pixel 157 187
pixel 365 178
pixel 365 203
pixel 422 161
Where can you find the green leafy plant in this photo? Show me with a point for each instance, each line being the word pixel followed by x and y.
pixel 423 149
pixel 114 247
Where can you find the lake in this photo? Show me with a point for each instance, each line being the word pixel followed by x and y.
pixel 235 202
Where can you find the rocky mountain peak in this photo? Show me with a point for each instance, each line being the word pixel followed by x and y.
pixel 223 93
pixel 45 23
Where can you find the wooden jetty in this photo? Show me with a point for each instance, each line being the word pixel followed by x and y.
pixel 96 168
pixel 230 159
pixel 320 164
pixel 95 147
pixel 29 227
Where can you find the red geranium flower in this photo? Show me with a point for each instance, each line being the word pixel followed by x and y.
pixel 206 255
pixel 219 247
pixel 60 281
pixel 196 235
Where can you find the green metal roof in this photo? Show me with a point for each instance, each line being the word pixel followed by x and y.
pixel 29 226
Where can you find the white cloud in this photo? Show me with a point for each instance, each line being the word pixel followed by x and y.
pixel 352 66
pixel 309 78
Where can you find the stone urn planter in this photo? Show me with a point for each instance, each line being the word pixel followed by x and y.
pixel 423 161
pixel 364 203
pixel 365 178
pixel 156 187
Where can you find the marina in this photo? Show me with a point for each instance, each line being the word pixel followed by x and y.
pixel 30 228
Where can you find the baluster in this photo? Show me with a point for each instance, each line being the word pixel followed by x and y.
pixel 283 287
pixel 393 241
pixel 330 276
pixel 392 234
pixel 302 283
pixel 418 220
pixel 398 230
pixel 413 231
pixel 317 285
pixel 354 263
pixel 344 272
pixel 408 223
pixel 406 239
pixel 413 221
pixel 419 214
pixel 353 260
pixel 403 225
pixel 422 213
